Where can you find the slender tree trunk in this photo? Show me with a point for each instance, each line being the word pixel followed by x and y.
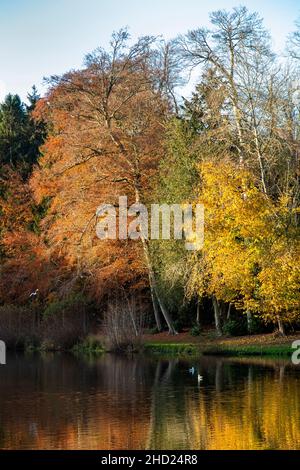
pixel 137 189
pixel 229 311
pixel 131 308
pixel 249 322
pixel 217 316
pixel 166 314
pixel 155 307
pixel 198 313
pixel 236 112
pixel 155 292
pixel 281 327
pixel 239 130
pixel 258 152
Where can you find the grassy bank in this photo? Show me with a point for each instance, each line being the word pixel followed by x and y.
pixel 186 345
pixel 182 349
pixel 172 349
pixel 279 350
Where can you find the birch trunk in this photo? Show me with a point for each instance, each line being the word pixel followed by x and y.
pixel 249 322
pixel 155 293
pixel 217 316
pixel 281 327
pixel 198 313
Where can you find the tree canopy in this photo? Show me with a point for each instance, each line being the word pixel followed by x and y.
pixel 118 127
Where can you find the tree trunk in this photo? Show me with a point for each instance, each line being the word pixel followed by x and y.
pixel 239 131
pixel 281 327
pixel 198 313
pixel 155 293
pixel 155 308
pixel 152 281
pixel 217 316
pixel 166 314
pixel 229 311
pixel 249 322
pixel 131 313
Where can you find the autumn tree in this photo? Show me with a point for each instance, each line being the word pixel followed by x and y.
pixel 117 128
pixel 108 120
pixel 237 47
pixel 249 244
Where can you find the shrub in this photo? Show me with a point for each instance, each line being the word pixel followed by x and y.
pixel 154 331
pixel 195 330
pixel 178 325
pixel 90 345
pixel 257 326
pixel 235 327
pixel 239 327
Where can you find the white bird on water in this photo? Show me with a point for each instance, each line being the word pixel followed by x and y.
pixel 192 371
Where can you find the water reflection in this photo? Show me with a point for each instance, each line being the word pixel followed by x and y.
pixel 59 402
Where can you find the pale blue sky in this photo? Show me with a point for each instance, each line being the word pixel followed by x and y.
pixel 43 37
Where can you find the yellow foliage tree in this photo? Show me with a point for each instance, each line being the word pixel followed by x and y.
pixel 251 251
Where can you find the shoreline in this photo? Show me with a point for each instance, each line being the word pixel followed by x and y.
pixel 185 345
pixel 270 345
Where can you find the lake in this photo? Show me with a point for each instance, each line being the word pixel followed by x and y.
pixel 57 401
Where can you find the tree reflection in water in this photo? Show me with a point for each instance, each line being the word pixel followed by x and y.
pixel 117 402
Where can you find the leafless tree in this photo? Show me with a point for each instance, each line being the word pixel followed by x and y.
pixel 293 45
pixel 238 48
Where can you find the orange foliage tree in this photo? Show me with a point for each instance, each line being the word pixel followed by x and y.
pixel 106 124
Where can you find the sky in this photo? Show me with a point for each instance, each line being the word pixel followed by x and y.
pixel 39 38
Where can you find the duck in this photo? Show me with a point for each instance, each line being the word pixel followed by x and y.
pixel 200 378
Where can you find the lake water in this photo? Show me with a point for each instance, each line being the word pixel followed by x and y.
pixel 61 402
